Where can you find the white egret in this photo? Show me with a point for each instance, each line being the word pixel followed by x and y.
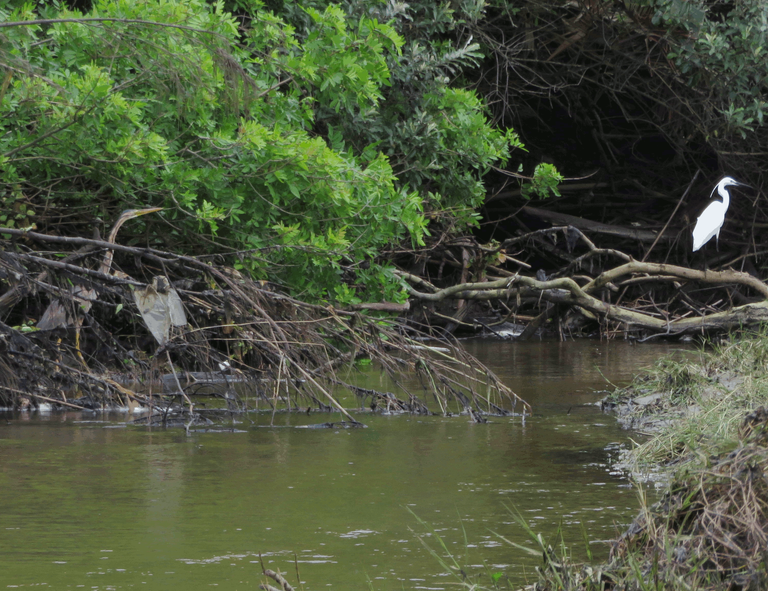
pixel 711 219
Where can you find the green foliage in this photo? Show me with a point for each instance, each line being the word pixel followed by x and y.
pixel 436 134
pixel 14 210
pixel 185 118
pixel 545 180
pixel 305 149
pixel 723 54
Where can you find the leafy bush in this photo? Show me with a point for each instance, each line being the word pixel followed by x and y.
pixel 724 52
pixel 173 104
pixel 433 130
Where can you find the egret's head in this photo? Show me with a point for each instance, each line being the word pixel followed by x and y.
pixel 723 191
pixel 729 181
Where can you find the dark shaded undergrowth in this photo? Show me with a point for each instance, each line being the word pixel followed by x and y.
pixel 245 343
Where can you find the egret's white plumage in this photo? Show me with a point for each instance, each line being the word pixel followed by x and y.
pixel 711 219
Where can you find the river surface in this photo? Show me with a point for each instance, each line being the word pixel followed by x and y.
pixel 88 502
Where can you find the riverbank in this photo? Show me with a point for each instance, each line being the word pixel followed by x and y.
pixel 707 423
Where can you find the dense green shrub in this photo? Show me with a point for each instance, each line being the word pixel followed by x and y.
pixel 433 130
pixel 722 54
pixel 276 143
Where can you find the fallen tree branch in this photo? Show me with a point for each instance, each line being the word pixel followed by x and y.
pixel 157 256
pixel 383 307
pixel 280 579
pixel 270 339
pixel 591 226
pixel 566 291
pixel 41 397
pixel 710 277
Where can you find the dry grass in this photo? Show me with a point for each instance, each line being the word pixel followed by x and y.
pixel 695 407
pixel 709 530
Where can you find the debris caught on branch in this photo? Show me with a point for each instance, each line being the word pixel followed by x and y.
pixel 276 352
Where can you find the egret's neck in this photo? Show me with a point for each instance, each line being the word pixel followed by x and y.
pixel 726 197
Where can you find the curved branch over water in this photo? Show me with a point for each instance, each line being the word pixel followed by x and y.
pixel 593 296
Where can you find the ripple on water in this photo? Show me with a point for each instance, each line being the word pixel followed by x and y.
pixel 195 511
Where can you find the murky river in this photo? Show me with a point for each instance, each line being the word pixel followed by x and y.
pixel 90 503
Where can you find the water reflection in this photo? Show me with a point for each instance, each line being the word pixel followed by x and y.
pixel 109 508
pixel 555 374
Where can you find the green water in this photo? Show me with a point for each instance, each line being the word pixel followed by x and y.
pixel 90 503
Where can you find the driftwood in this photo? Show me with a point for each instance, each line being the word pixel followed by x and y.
pixel 586 225
pixel 567 291
pixel 278 578
pixel 603 296
pixel 383 307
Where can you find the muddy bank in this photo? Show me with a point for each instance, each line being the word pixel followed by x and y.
pixel 708 437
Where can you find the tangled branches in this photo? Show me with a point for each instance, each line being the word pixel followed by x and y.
pixel 246 343
pixel 589 288
pixel 648 66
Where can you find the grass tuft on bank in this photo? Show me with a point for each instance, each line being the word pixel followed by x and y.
pixel 707 418
pixel 694 408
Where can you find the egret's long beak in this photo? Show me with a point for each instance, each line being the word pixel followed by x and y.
pixel 736 183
